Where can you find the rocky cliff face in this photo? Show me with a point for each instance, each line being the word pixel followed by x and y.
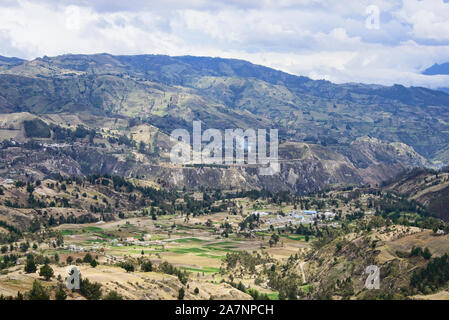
pixel 304 167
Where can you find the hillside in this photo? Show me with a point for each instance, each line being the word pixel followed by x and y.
pixel 223 93
pixel 82 144
pixel 330 134
pixel 150 243
pixel 428 187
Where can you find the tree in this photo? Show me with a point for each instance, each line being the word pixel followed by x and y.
pixel 196 291
pixel 59 239
pixel 128 266
pixel 416 251
pixel 38 292
pixel 90 290
pixel 426 254
pixel 60 293
pixel 94 263
pixel 113 295
pixel 47 272
pixel 281 295
pixel 30 266
pixel 88 258
pixel 339 246
pixel 274 239
pixel 24 246
pixel 69 260
pixel 147 266
pixel 181 294
pixel 4 249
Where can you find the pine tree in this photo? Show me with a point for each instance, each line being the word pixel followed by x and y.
pixel 181 294
pixel 38 292
pixel 60 293
pixel 46 271
pixel 426 254
pixel 30 266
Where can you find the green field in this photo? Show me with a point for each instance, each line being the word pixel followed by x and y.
pixel 204 269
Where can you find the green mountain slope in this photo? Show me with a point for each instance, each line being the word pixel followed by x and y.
pixel 228 93
pixel 355 133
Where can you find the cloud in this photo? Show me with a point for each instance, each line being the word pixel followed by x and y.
pixel 315 38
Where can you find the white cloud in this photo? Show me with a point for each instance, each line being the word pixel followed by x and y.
pixel 429 19
pixel 315 38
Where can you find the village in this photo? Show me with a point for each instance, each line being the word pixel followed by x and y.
pixel 295 217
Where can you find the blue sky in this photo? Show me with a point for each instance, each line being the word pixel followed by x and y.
pixel 322 39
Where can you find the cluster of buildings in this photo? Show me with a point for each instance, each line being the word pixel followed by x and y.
pixel 74 248
pixel 296 217
pixel 262 213
pixel 132 241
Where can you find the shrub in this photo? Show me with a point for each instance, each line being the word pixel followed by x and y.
pixel 147 266
pixel 181 294
pixel 38 292
pixel 94 263
pixel 113 295
pixel 90 290
pixel 88 258
pixel 60 293
pixel 128 266
pixel 47 272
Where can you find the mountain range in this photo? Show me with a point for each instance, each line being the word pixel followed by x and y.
pixel 330 133
pixel 438 69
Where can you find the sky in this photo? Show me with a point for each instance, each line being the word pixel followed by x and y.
pixel 369 41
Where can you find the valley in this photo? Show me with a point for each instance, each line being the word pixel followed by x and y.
pixel 86 180
pixel 151 243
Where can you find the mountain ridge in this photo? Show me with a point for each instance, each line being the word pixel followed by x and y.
pixel 358 133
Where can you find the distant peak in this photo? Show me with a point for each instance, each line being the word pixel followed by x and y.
pixel 10 61
pixel 437 69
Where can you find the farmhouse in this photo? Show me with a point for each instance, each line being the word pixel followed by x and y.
pixel 262 214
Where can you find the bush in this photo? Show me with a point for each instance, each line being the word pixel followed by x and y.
pixel 47 272
pixel 38 292
pixel 426 254
pixel 128 266
pixel 90 290
pixel 60 293
pixel 93 263
pixel 167 268
pixel 181 294
pixel 113 295
pixel 147 266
